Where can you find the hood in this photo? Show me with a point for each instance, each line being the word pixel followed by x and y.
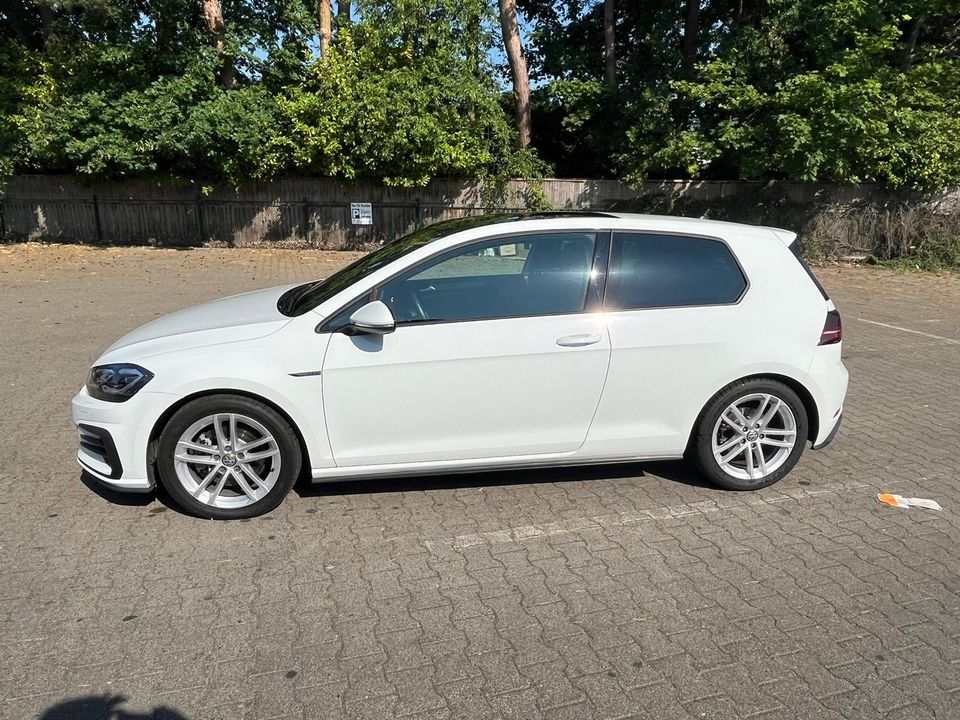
pixel 239 317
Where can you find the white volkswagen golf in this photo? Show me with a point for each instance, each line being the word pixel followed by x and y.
pixel 479 344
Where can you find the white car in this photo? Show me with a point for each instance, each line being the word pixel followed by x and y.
pixel 480 344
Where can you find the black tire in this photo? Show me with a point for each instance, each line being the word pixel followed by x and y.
pixel 701 447
pixel 284 435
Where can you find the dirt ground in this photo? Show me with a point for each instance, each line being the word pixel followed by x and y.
pixel 31 258
pixel 26 259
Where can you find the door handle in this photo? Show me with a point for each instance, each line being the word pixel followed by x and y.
pixel 579 340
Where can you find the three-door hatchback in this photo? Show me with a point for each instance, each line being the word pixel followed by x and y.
pixel 480 344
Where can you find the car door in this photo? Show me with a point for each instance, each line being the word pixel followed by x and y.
pixel 673 311
pixel 499 350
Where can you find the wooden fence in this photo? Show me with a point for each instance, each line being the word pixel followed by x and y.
pixel 315 212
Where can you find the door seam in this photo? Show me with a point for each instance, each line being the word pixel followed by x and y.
pixel 603 386
pixel 323 397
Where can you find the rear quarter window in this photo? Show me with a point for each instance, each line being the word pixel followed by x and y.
pixel 649 270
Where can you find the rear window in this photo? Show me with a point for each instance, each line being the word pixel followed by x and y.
pixel 798 254
pixel 649 270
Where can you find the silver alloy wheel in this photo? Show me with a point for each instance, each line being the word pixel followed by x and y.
pixel 754 436
pixel 227 460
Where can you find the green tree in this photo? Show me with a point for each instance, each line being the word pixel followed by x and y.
pixel 155 87
pixel 825 90
pixel 837 90
pixel 401 99
pixel 830 90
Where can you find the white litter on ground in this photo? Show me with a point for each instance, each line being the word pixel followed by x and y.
pixel 908 502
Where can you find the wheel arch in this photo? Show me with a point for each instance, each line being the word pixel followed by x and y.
pixel 809 404
pixel 161 422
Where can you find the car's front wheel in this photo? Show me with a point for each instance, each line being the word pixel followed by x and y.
pixel 228 456
pixel 751 434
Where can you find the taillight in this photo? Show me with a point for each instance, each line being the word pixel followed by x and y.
pixel 832 329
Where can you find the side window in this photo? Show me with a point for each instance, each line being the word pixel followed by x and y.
pixel 342 319
pixel 507 277
pixel 648 270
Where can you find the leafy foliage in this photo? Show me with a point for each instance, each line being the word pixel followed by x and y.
pixel 856 115
pixel 826 90
pixel 810 90
pixel 398 103
pixel 404 95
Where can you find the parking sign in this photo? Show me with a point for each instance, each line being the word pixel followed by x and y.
pixel 361 213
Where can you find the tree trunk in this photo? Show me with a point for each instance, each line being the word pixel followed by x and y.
pixel 46 22
pixel 343 13
pixel 691 31
pixel 31 28
pixel 326 19
pixel 474 42
pixel 609 43
pixel 166 33
pixel 912 43
pixel 518 67
pixel 213 16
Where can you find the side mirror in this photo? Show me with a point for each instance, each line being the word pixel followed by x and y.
pixel 374 318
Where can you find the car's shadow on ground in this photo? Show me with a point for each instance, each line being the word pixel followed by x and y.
pixel 116 497
pixel 675 471
pixel 127 499
pixel 105 707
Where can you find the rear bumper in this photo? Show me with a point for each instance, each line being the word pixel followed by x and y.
pixel 829 438
pixel 827 381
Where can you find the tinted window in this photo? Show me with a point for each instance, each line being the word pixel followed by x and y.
pixel 342 319
pixel 508 277
pixel 649 270
pixel 303 298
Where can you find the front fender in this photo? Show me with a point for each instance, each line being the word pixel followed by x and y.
pixel 273 371
pixel 309 425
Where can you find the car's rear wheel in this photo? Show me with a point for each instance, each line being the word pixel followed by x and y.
pixel 751 434
pixel 227 457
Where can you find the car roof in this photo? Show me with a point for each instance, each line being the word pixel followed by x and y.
pixel 675 223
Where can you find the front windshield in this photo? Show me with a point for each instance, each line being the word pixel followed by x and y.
pixel 303 298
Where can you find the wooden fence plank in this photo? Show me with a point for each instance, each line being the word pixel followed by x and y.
pixel 314 212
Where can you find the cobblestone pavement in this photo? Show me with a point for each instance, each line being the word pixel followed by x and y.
pixel 613 592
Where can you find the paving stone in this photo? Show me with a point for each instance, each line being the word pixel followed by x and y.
pixel 632 591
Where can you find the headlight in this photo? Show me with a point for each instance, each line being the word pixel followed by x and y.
pixel 116 383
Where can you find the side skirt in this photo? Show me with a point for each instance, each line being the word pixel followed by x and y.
pixel 487 465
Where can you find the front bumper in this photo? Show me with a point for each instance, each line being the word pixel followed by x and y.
pixel 98 453
pixel 114 437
